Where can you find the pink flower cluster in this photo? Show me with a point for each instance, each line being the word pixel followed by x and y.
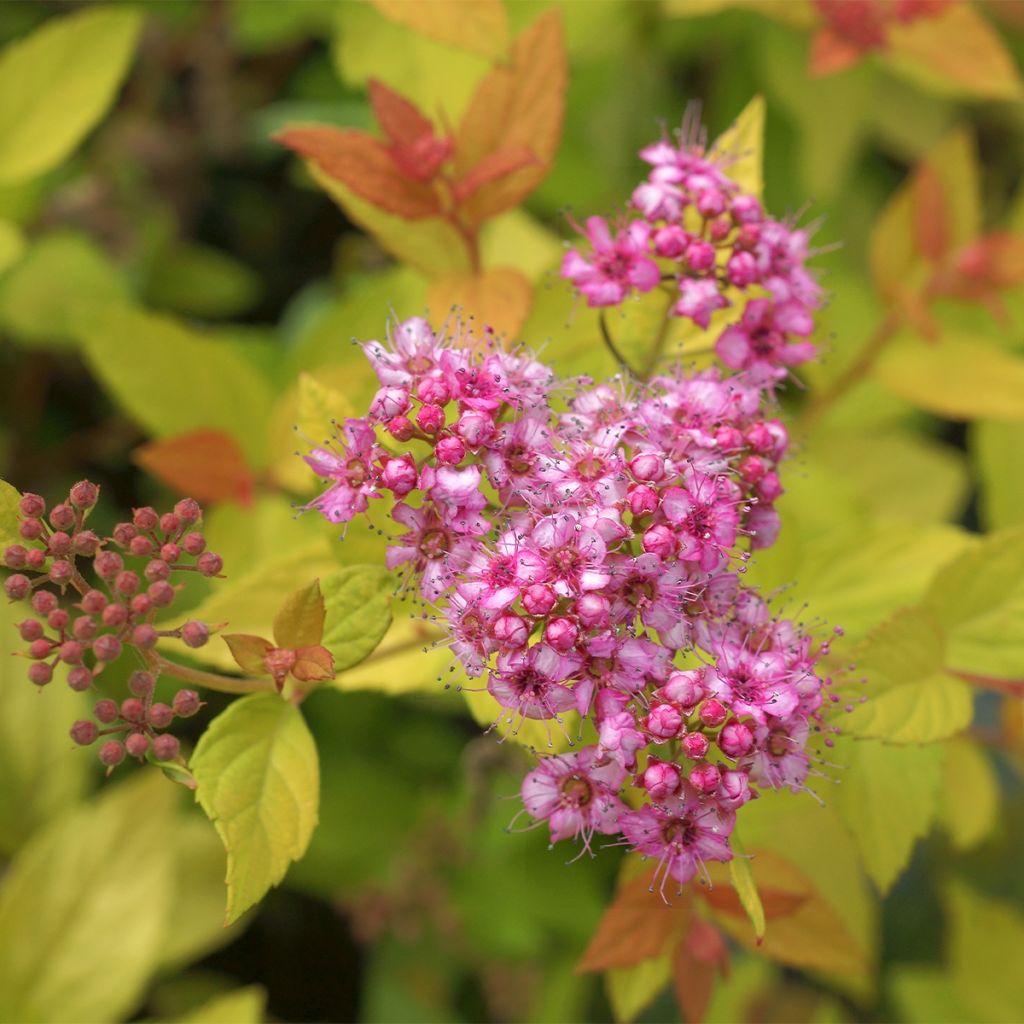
pixel 585 544
pixel 695 232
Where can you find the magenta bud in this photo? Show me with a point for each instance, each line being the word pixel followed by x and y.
pixel 745 209
pixel 84 494
pixel 123 534
pixel 430 418
pixel 59 543
pixel 399 475
pixel 145 518
pixel 728 439
pixel 112 753
pixel 114 616
pixel 195 634
pixel 700 256
pixel 663 722
pixel 61 571
pixel 539 599
pixel 161 594
pixel 719 228
pixel 157 570
pixel 141 605
pixel 40 648
pixel 141 683
pixel 752 468
pixel 705 778
pixel 194 544
pixel 84 732
pixel 712 712
pixel 30 629
pixel 401 428
pixel 85 542
pixel 660 779
pixel 161 716
pixel 670 241
pixel 93 602
pixel 107 647
pixel 188 511
pixel 80 679
pixel 133 710
pixel 660 540
pixel 760 438
pixel 58 619
pixel 170 553
pixel 388 403
pixel 684 688
pixel 433 391
pixel 14 556
pixel 711 202
pixel 31 529
pixel 170 524
pixel 748 236
pixel 475 428
pixel 593 610
pixel 742 269
pixel 562 634
pixel 43 601
pixel 695 745
pixel 511 630
pixel 166 748
pixel 736 739
pixel 40 673
pixel 144 637
pixel 768 487
pixel 84 627
pixel 31 506
pixel 17 587
pixel 108 564
pixel 642 500
pixel 140 546
pixel 647 467
pixel 450 451
pixel 62 517
pixel 137 745
pixel 35 559
pixel 186 703
pixel 127 582
pixel 733 789
pixel 209 564
pixel 105 711
pixel 71 652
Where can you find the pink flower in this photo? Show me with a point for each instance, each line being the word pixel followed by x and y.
pixel 780 761
pixel 353 470
pixel 698 299
pixel 565 555
pixel 705 519
pixel 413 351
pixel 759 340
pixel 430 546
pixel 530 682
pixel 617 264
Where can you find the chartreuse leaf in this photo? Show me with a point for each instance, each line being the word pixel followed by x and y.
pixel 320 405
pixel 9 514
pixel 173 379
pixel 57 83
pixel 300 621
pixel 983 939
pixel 631 990
pixel 979 600
pixel 742 145
pixel 924 994
pixel 240 1006
pixel 259 782
pixel 746 888
pixel 199 280
pixel 970 793
pixel 12 244
pixel 358 604
pixel 908 697
pixel 84 905
pixel 888 797
pixel 63 279
pixel 997 450
pixel 41 772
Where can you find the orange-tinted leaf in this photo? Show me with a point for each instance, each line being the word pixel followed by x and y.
pixel 931 230
pixel 249 652
pixel 207 465
pixel 516 107
pixel 300 622
pixel 776 902
pixel 365 165
pixel 995 260
pixel 399 118
pixel 480 26
pixel 830 53
pixel 636 927
pixel 313 664
pixel 499 298
pixel 698 956
pixel 494 167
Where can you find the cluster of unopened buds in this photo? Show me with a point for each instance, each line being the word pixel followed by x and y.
pixel 585 545
pixel 91 607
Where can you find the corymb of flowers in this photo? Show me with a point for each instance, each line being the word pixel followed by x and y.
pixel 584 544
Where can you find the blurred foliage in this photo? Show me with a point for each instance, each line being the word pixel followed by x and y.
pixel 178 291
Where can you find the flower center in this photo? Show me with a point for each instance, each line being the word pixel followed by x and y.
pixel 434 543
pixel 577 791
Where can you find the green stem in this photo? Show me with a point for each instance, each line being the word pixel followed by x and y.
pixel 611 346
pixel 209 680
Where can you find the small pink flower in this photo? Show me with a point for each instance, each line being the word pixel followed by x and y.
pixel 698 299
pixel 531 682
pixel 617 264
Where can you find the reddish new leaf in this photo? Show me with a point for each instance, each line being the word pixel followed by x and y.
pixel 995 260
pixel 698 956
pixel 207 465
pixel 313 664
pixel 249 652
pixel 366 166
pixel 494 167
pixel 776 902
pixel 636 927
pixel 931 226
pixel 400 119
pixel 830 53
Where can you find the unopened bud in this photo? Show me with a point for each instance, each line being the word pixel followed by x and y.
pixel 401 428
pixel 31 506
pixel 161 715
pixel 31 529
pixel 40 649
pixel 170 553
pixel 141 683
pixel 127 582
pixel 61 571
pixel 593 610
pixel 108 564
pixel 642 500
pixel 86 543
pixel 106 647
pixel 40 673
pixel 17 587
pixel 562 634
pixel 84 732
pixel 141 605
pixel 539 599
pixel 140 546
pixel 695 745
pixel 84 627
pixel 430 418
pixel 58 543
pixel 124 534
pixel 133 710
pixel 35 559
pixel 450 451
pixel 62 517
pixel 660 779
pixel 145 518
pixel 209 564
pixel 43 601
pixel 84 494
pixel 170 524
pixel 112 753
pixel 30 629
pixel 712 712
pixel 194 543
pixel 80 679
pixel 663 722
pixel 511 630
pixel 105 711
pixel 115 616
pixel 705 778
pixel 71 652
pixel 137 744
pixel 166 748
pixel 195 634
pixel 161 594
pixel 94 601
pixel 144 637
pixel 14 556
pixel 736 739
pixel 188 511
pixel 58 619
pixel 186 703
pixel 157 570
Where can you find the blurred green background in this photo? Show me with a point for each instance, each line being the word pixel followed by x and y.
pixel 167 267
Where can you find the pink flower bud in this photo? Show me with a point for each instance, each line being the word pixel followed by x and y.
pixel 141 683
pixel 137 745
pixel 31 529
pixel 127 582
pixel 700 256
pixel 430 419
pixel 161 593
pixel 647 467
pixel 433 391
pixel 736 739
pixel 195 634
pixel 85 542
pixel 752 468
pixel 40 673
pixel 105 711
pixel 705 778
pixel 186 703
pixel 760 438
pixel 108 564
pixel 14 556
pixel 133 710
pixel 84 627
pixel 660 540
pixel 695 745
pixel 166 748
pixel 733 789
pixel 712 712
pixel 170 553
pixel 511 631
pixel 62 517
pixel 61 571
pixel 389 403
pixel 209 564
pixel 31 506
pixel 593 610
pixel 450 451
pixel 157 569
pixel 114 616
pixel 58 619
pixel 741 269
pixel 539 599
pixel 124 532
pixel 84 494
pixel 58 543
pixel 71 652
pixel 768 487
pixel 562 634
pixel 711 202
pixel 35 559
pixel 642 500
pixel 745 209
pixel 670 241
pixel 188 511
pixel 84 732
pixel 161 715
pixel 719 229
pixel 94 601
pixel 685 688
pixel 660 779
pixel 144 637
pixel 401 428
pixel 43 601
pixel 40 648
pixel 107 647
pixel 194 543
pixel 663 722
pixel 399 475
pixel 140 546
pixel 112 753
pixel 17 587
pixel 170 524
pixel 80 679
pixel 475 428
pixel 141 605
pixel 30 629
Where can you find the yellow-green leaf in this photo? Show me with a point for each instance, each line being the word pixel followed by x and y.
pixel 259 782
pixel 480 27
pixel 240 1006
pixel 300 622
pixel 104 869
pixel 319 406
pixel 198 280
pixel 632 989
pixel 358 603
pixel 10 517
pixel 742 145
pixel 970 793
pixel 12 244
pixel 997 450
pixel 746 888
pixel 57 83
